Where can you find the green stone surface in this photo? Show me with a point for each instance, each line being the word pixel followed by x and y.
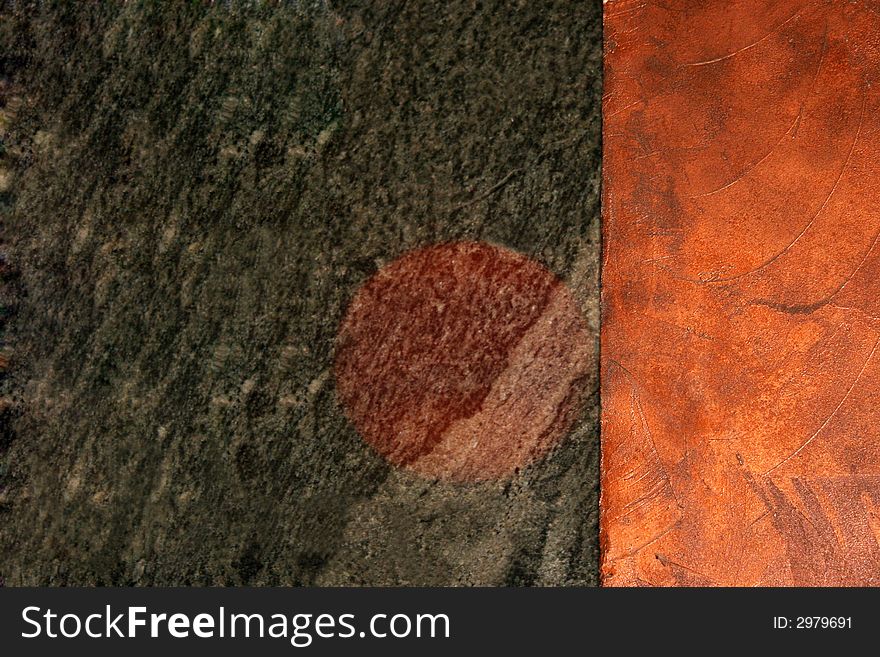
pixel 192 194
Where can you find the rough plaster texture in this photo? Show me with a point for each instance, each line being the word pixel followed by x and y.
pixel 740 366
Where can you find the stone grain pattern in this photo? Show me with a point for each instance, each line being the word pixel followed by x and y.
pixel 741 280
pixel 197 190
pixel 463 361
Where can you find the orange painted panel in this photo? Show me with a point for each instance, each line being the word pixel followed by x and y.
pixel 741 293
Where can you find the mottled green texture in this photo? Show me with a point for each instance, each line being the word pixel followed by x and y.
pixel 196 194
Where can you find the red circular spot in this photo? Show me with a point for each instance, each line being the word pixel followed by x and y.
pixel 462 361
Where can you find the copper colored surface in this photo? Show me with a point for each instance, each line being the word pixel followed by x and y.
pixel 462 361
pixel 741 302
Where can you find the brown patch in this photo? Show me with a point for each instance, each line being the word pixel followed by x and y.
pixel 462 361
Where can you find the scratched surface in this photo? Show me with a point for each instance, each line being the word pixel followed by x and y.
pixel 741 293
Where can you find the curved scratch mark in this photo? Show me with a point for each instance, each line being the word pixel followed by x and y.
pixel 642 546
pixel 627 10
pixel 815 77
pixel 818 212
pixel 749 46
pixel 792 130
pixel 625 107
pixel 636 407
pixel 812 307
pixel 666 561
pixel 833 413
pixel 754 164
pixel 788 247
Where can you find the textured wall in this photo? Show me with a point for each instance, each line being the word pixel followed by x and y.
pixel 740 293
pixel 195 197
